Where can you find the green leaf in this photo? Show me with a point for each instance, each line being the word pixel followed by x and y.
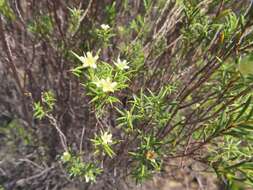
pixel 6 10
pixel 250 114
pixel 245 107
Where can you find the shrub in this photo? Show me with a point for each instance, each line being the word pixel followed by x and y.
pixel 111 89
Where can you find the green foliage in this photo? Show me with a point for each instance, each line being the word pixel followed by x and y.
pixel 147 4
pixel 111 13
pixel 16 133
pixel 147 158
pixel 75 19
pixel 76 168
pixel 147 107
pixel 149 114
pixel 232 157
pixel 49 99
pixel 197 23
pixel 135 55
pixel 235 160
pixel 103 143
pixel 161 80
pixel 245 66
pixel 43 26
pixel 6 10
pixel 103 80
pixel 104 34
pixel 39 113
pixel 140 27
pixel 42 109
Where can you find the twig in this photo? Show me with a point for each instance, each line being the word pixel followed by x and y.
pixel 83 16
pixel 22 182
pixel 13 68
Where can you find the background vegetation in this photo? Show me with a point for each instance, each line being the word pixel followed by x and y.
pixel 104 93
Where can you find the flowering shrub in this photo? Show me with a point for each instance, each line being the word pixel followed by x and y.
pixel 112 89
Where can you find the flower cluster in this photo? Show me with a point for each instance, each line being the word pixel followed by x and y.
pixel 103 143
pixel 89 61
pixel 106 137
pixel 106 84
pixel 121 64
pixel 105 27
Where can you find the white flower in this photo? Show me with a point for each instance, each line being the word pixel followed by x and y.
pixel 121 64
pixel 106 137
pixel 106 84
pixel 105 26
pixel 66 156
pixel 87 60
